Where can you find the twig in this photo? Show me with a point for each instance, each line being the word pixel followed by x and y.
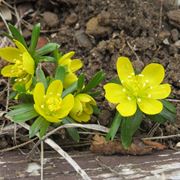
pixel 62 153
pixel 68 158
pixel 5 22
pixel 72 125
pixel 18 146
pixel 137 57
pixel 160 15
pixel 42 159
pixel 174 100
pixel 162 137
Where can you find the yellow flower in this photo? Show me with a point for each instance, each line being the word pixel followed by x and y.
pixel 143 90
pixel 22 67
pixel 82 109
pixel 71 67
pixel 51 105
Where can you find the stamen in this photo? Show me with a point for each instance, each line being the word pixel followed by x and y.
pixel 139 99
pixel 124 90
pixel 147 81
pixel 42 106
pixel 149 95
pixel 129 98
pixel 141 75
pixel 58 94
pixel 151 87
pixel 144 84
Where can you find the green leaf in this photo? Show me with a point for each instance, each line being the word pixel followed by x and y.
pixel 17 35
pixel 96 110
pixel 37 125
pixel 115 80
pixel 44 128
pixel 60 73
pixel 46 59
pixel 34 38
pixel 169 106
pixel 81 80
pixel 114 127
pixel 70 89
pixel 72 131
pixel 129 126
pixel 158 118
pixel 96 79
pixel 46 49
pixel 41 77
pixel 22 113
pixel 168 115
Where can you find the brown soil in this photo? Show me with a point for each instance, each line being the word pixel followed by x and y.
pixel 100 31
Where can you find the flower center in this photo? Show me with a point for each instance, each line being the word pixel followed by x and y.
pixel 135 87
pixel 53 103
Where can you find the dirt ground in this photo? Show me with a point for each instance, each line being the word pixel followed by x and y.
pixel 100 31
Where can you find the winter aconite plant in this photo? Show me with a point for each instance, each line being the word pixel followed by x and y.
pixel 47 99
pixel 135 95
pixel 64 96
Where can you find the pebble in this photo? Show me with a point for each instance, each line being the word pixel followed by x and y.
pixel 71 19
pixel 105 117
pixel 95 29
pixel 175 34
pixel 177 43
pixel 51 19
pixel 83 40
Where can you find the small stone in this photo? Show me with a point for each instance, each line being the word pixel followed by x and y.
pixel 83 39
pixel 177 43
pixel 175 34
pixel 166 41
pixel 93 28
pixel 174 17
pixel 104 18
pixel 178 145
pixel 51 19
pixel 26 33
pixel 71 19
pixel 164 34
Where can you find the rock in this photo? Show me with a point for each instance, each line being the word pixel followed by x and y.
pixel 95 29
pixel 175 34
pixel 166 41
pixel 174 17
pixel 163 35
pixel 23 8
pixel 177 44
pixel 104 18
pixel 83 40
pixel 51 19
pixel 144 43
pixel 71 19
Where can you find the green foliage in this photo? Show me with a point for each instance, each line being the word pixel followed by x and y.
pixel 22 113
pixel 114 127
pixel 60 73
pixel 34 38
pixel 17 35
pixel 129 126
pixel 40 76
pixel 96 80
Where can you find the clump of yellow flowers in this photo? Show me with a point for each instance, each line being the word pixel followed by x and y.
pixel 66 97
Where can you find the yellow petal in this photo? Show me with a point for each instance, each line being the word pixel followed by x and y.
pixel 69 79
pixel 28 63
pixel 77 108
pixel 76 64
pixel 67 105
pixel 51 118
pixel 127 107
pixel 9 71
pixel 29 82
pixel 124 68
pixel 55 88
pixel 154 73
pixel 66 58
pixel 114 92
pixel 159 92
pixel 86 98
pixel 20 46
pixel 38 94
pixel 88 109
pixel 10 54
pixel 150 106
pixel 84 117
